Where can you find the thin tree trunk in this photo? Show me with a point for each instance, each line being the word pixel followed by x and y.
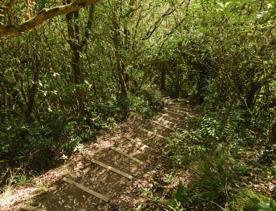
pixel 162 78
pixel 177 81
pixel 120 70
pixel 73 34
pixel 78 77
pixel 34 88
pixel 272 134
pixel 119 61
pixel 77 45
pixel 32 95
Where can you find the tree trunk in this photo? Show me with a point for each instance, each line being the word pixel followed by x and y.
pixel 272 134
pixel 34 88
pixel 32 95
pixel 77 44
pixel 251 95
pixel 123 98
pixel 162 78
pixel 73 34
pixel 78 77
pixel 177 81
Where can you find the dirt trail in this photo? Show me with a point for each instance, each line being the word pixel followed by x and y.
pixel 108 174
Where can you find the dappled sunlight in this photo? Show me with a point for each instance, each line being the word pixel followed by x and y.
pixel 118 165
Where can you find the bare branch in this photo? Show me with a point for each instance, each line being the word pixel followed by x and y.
pixel 155 26
pixel 42 16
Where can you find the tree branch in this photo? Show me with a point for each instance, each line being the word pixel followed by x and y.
pixel 42 16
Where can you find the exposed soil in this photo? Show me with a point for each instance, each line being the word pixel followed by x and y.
pixel 137 137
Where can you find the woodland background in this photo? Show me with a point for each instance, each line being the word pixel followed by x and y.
pixel 64 81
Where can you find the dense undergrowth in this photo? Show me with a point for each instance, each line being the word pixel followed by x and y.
pixel 227 55
pixel 231 168
pixel 29 148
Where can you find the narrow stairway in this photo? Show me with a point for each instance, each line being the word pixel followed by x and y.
pixel 109 174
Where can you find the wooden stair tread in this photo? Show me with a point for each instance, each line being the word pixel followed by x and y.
pixel 126 155
pixel 166 127
pixel 140 143
pixel 87 190
pixel 111 168
pixel 150 132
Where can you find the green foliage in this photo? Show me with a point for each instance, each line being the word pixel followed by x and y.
pixel 181 194
pixel 40 4
pixel 213 178
pixel 147 102
pixel 182 149
pixel 227 125
pixel 255 205
pixel 215 148
pixel 59 89
pixel 210 185
pixel 154 98
pixel 215 186
pixel 20 179
pixel 248 200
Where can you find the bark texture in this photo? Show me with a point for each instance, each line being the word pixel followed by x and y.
pixel 42 16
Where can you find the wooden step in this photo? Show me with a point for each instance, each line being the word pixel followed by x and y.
pixel 177 108
pixel 30 208
pixel 152 133
pixel 140 142
pixel 108 167
pixel 164 116
pixel 87 190
pixel 177 100
pixel 126 155
pixel 166 122
pixel 176 113
pixel 166 127
pixel 180 113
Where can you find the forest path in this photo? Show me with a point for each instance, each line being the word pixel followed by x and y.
pixel 110 173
